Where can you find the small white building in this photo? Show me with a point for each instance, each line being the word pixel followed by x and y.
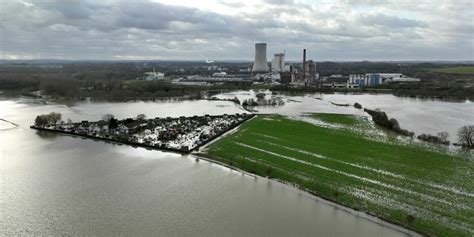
pixel 219 74
pixel 404 79
pixel 396 77
pixel 151 76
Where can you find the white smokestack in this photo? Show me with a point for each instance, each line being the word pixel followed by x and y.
pixel 260 64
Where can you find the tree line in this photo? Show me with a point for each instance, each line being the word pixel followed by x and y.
pixel 47 119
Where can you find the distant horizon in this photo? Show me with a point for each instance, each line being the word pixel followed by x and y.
pixel 234 61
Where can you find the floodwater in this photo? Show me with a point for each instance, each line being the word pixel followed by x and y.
pixel 414 114
pixel 55 184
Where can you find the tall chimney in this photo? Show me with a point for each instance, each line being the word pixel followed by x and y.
pixel 304 65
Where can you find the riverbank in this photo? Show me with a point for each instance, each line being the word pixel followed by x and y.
pixel 454 94
pixel 412 186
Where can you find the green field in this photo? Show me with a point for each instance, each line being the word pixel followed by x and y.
pixel 426 190
pixel 460 70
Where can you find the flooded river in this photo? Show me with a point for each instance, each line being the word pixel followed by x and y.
pixel 56 184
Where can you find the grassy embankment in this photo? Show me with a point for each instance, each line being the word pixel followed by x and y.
pixel 458 70
pixel 422 189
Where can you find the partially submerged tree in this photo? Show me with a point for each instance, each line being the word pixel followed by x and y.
pixel 113 123
pixel 466 135
pixel 47 119
pixel 41 121
pixel 381 118
pixel 236 100
pixel 250 102
pixel 443 136
pixel 54 117
pixel 108 117
pixel 141 117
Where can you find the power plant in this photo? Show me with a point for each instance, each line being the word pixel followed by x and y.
pixel 300 73
pixel 260 64
pixel 296 74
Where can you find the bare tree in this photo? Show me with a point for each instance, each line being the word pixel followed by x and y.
pixel 466 135
pixel 54 117
pixel 443 136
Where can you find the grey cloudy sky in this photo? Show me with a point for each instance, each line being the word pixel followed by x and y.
pixel 340 30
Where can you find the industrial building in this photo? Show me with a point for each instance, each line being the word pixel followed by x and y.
pixel 304 73
pixel 311 76
pixel 286 77
pixel 359 80
pixel 278 62
pixel 396 77
pixel 338 81
pixel 375 79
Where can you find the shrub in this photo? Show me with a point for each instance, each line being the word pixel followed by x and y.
pixel 410 219
pixel 433 139
pixel 269 171
pixel 261 95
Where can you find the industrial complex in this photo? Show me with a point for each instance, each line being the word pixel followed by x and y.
pixel 279 72
pixel 306 73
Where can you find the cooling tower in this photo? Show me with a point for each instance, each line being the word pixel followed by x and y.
pixel 260 64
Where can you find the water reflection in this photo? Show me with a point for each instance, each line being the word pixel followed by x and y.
pixel 46 135
pixel 60 185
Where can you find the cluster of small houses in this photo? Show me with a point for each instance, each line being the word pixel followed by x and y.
pixel 183 133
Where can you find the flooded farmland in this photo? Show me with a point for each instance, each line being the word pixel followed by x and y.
pixel 415 114
pixel 58 184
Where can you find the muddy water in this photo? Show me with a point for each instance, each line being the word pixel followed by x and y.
pixel 56 184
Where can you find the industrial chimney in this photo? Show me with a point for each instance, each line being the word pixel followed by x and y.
pixel 260 64
pixel 304 65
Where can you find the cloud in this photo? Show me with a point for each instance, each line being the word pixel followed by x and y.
pixel 390 22
pixel 330 30
pixel 279 2
pixel 232 4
